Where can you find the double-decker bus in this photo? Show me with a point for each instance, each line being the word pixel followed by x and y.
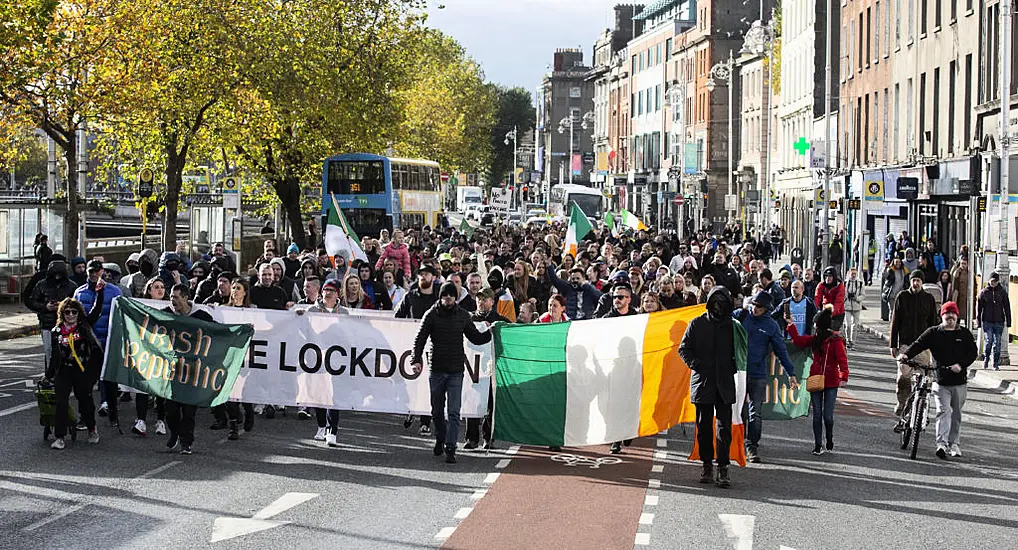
pixel 377 192
pixel 590 200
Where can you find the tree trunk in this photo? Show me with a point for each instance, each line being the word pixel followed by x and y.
pixel 174 178
pixel 288 191
pixel 71 217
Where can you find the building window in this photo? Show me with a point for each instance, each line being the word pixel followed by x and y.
pixel 951 90
pixel 862 38
pixel 967 130
pixel 897 100
pixel 911 20
pixel 923 9
pixel 876 35
pixel 909 123
pixel 954 10
pixel 634 65
pixel 922 114
pixel 897 23
pixel 869 34
pixel 887 27
pixel 935 90
pixel 937 8
pixel 886 137
pixel 657 97
pixel 668 52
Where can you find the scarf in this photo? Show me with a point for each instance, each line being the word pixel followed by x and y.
pixel 71 334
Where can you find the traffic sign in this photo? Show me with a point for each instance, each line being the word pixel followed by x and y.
pixel 145 178
pixel 679 199
pixel 445 177
pixel 231 193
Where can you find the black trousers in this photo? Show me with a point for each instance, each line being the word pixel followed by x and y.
pixel 230 411
pixel 706 435
pixel 111 394
pixel 475 426
pixel 141 403
pixel 328 418
pixel 180 421
pixel 81 385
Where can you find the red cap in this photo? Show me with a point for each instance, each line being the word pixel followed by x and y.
pixel 949 307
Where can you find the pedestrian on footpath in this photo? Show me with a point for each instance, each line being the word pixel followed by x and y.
pixel 961 292
pixel 895 280
pixel 446 324
pixel 993 313
pixel 181 417
pixel 954 349
pixel 75 362
pixel 764 336
pixel 855 293
pixel 914 311
pixel 708 349
pixel 830 360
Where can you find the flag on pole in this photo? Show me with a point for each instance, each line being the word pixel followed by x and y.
pixel 339 235
pixel 466 229
pixel 579 226
pixel 631 221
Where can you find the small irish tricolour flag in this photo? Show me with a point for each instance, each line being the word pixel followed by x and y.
pixel 631 221
pixel 339 235
pixel 579 226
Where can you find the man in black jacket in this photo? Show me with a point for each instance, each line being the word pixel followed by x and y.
pixel 953 349
pixel 708 349
pixel 446 324
pixel 180 417
pixel 914 311
pixel 415 304
pixel 266 294
pixel 45 298
pixel 485 314
pixel 724 275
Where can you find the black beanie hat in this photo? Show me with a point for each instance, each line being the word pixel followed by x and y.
pixel 448 289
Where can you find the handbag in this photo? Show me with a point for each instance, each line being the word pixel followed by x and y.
pixel 818 382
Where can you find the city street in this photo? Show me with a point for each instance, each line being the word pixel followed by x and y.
pixel 382 488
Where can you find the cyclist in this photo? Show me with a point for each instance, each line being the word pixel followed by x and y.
pixel 953 350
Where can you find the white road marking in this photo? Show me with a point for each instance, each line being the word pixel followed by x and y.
pixel 159 470
pixel 739 528
pixel 462 513
pixel 662 442
pixel 512 450
pixel 501 464
pixel 650 500
pixel 58 516
pixel 642 539
pixel 226 528
pixel 479 494
pixel 26 383
pixel 654 483
pixel 646 519
pixel 783 547
pixel 657 468
pixel 445 533
pixel 492 477
pixel 660 455
pixel 19 408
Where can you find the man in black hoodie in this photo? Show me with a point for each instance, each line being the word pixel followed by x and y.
pixel 415 305
pixel 708 349
pixel 446 324
pixel 47 295
pixel 210 283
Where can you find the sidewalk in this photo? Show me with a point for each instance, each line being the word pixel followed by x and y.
pixel 1006 379
pixel 16 320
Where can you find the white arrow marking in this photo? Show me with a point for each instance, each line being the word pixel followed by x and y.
pixel 739 528
pixel 783 547
pixel 228 528
pixel 26 383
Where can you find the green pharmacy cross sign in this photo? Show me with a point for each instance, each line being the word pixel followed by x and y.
pixel 801 146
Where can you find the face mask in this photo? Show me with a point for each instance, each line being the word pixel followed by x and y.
pixel 716 310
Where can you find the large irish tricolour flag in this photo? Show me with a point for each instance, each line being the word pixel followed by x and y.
pixel 596 381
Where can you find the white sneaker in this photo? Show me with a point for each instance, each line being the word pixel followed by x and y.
pixel 58 444
pixel 955 450
pixel 140 428
pixel 330 440
pixel 93 437
pixel 160 427
pixel 320 434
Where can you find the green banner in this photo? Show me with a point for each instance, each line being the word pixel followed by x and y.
pixel 782 403
pixel 172 356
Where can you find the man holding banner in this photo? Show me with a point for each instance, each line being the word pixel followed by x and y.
pixel 446 324
pixel 180 416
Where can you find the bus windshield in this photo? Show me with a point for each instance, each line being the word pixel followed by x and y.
pixel 589 204
pixel 356 177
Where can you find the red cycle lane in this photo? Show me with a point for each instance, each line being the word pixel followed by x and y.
pixel 538 502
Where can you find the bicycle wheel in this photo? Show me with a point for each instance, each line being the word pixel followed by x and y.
pixel 906 436
pixel 917 426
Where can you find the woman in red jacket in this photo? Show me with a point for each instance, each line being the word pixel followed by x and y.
pixel 830 360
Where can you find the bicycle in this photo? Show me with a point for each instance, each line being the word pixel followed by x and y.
pixel 915 416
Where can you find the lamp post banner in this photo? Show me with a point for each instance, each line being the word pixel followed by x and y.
pixel 344 362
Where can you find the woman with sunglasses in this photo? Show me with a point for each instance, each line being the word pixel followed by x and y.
pixel 74 364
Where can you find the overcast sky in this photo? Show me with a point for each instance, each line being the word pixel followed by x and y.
pixel 515 40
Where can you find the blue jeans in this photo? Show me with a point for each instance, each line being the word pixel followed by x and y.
pixel 823 413
pixel 756 394
pixel 994 334
pixel 446 386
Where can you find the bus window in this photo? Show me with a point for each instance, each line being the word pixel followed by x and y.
pixel 356 177
pixel 397 176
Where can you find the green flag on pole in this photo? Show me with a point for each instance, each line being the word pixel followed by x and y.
pixel 466 229
pixel 579 227
pixel 175 357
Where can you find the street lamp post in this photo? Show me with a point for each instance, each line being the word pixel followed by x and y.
pixel 512 135
pixel 568 123
pixel 723 71
pixel 759 37
pixel 1003 267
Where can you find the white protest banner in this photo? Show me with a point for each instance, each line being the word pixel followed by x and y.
pixel 344 362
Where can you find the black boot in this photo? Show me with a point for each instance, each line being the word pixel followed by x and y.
pixel 234 434
pixel 723 481
pixel 616 448
pixel 439 448
pixel 450 457
pixel 706 473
